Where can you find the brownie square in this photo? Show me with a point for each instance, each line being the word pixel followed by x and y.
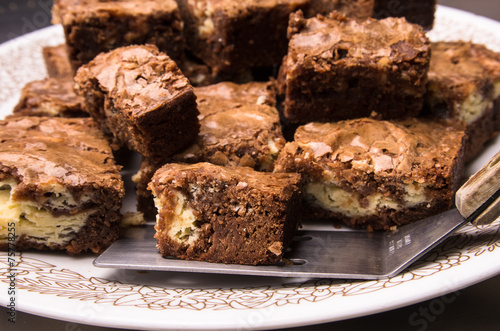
pixel 50 97
pixel 60 188
pixel 95 26
pixel 224 214
pixel 232 36
pixel 201 74
pixel 415 11
pixel 464 86
pixel 337 68
pixel 57 61
pixel 376 174
pixel 139 96
pixel 239 126
pixel 356 9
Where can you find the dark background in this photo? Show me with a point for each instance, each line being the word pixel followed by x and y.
pixel 474 308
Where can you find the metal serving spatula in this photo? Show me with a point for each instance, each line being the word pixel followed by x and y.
pixel 330 253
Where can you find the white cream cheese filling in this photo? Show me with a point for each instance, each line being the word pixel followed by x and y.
pixel 182 226
pixel 335 199
pixel 496 93
pixel 473 107
pixel 204 13
pixel 34 221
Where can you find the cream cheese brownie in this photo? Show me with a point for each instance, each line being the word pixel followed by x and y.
pixel 50 97
pixel 337 68
pixel 224 214
pixel 233 36
pixel 139 96
pixel 464 86
pixel 239 126
pixel 60 188
pixel 376 174
pixel 95 26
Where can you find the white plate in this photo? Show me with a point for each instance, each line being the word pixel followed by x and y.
pixel 58 286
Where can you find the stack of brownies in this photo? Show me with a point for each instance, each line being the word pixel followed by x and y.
pixel 250 117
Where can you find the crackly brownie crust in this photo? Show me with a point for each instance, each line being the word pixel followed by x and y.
pixel 376 174
pixel 139 96
pixel 415 11
pixel 239 126
pixel 50 97
pixel 233 214
pixel 335 69
pixel 57 61
pixel 464 85
pixel 94 26
pixel 61 169
pixel 232 36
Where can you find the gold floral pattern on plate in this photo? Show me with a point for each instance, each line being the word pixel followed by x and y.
pixel 42 277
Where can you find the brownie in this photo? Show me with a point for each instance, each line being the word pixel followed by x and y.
pixel 239 126
pixel 490 61
pixel 200 74
pixel 60 188
pixel 57 61
pixel 50 97
pixel 232 36
pixel 464 85
pixel 95 26
pixel 338 68
pixel 420 12
pixel 142 178
pixel 224 214
pixel 376 174
pixel 139 96
pixel 356 9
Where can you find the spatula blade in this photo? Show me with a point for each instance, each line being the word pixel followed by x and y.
pixel 315 254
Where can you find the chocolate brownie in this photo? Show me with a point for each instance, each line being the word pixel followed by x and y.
pixel 239 126
pixel 57 61
pixel 415 11
pixel 356 9
pixel 95 26
pixel 50 97
pixel 464 84
pixel 139 96
pixel 60 188
pixel 224 214
pixel 337 68
pixel 200 74
pixel 232 36
pixel 490 61
pixel 376 174
pixel 145 203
